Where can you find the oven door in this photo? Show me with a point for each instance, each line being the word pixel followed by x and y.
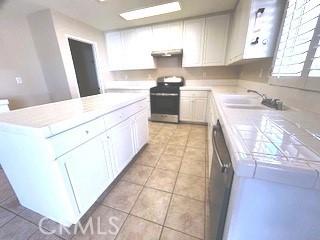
pixel 165 106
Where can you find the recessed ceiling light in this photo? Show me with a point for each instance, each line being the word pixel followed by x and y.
pixel 152 11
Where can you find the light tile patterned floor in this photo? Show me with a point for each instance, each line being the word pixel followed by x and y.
pixel 160 197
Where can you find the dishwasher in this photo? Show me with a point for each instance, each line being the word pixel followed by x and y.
pixel 221 177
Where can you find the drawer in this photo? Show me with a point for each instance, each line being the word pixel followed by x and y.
pixel 120 115
pixel 202 94
pixel 74 137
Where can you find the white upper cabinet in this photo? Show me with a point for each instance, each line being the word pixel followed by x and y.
pixel 143 45
pixel 203 40
pixel 115 51
pixel 255 26
pixel 130 49
pixel 193 42
pixel 168 36
pixel 216 38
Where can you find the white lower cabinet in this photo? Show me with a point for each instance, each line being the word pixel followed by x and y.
pixel 90 167
pixel 193 107
pixel 186 109
pixel 87 170
pixel 141 132
pixel 122 145
pixel 199 110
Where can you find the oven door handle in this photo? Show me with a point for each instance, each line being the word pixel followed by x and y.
pixel 223 166
pixel 164 94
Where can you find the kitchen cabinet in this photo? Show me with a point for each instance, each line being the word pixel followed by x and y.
pixel 193 41
pixel 87 169
pixel 69 163
pixel 216 38
pixel 186 107
pixel 141 132
pixel 167 36
pixel 205 41
pixel 115 51
pixel 193 106
pixel 254 29
pixel 122 145
pixel 130 49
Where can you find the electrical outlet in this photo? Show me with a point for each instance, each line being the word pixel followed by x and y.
pixel 19 80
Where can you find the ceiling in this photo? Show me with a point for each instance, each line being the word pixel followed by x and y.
pixel 105 15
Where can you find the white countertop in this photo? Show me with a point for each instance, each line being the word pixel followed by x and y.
pixel 53 118
pixel 4 102
pixel 279 146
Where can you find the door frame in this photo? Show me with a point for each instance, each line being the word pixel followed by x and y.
pixel 96 60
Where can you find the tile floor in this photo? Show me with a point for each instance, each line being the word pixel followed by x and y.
pixel 161 196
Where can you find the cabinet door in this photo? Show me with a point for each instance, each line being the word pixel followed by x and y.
pixel 143 48
pixel 216 40
pixel 122 144
pixel 193 40
pixel 186 109
pixel 199 110
pixel 141 129
pixel 88 173
pixel 114 50
pixel 175 33
pixel 238 36
pixel 167 36
pixel 129 48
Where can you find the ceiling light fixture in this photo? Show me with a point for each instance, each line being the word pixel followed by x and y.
pixel 152 11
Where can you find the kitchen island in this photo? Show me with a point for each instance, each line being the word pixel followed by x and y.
pixel 60 157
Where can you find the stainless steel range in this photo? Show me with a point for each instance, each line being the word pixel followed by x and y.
pixel 165 99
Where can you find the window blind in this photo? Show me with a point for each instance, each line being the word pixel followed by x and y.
pixel 297 38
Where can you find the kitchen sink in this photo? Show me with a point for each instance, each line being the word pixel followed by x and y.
pixel 247 106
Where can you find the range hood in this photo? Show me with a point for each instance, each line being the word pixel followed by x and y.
pixel 167 53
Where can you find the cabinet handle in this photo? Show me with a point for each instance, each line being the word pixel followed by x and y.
pixel 87 131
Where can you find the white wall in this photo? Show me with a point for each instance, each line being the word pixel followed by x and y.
pixel 18 58
pixel 48 51
pixel 255 76
pixel 64 27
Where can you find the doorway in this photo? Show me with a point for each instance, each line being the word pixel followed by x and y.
pixel 85 67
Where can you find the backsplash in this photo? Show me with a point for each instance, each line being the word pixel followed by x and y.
pixel 172 66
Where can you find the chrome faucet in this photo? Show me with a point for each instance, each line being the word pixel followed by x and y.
pixel 256 92
pixel 269 102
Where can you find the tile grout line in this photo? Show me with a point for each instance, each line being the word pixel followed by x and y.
pixel 129 214
pixel 165 219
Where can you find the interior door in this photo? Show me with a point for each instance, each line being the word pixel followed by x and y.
pixel 85 67
pixel 88 172
pixel 122 143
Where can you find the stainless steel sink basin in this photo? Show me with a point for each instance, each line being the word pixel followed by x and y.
pixel 247 106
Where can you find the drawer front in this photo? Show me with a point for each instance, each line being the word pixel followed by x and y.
pixel 120 115
pixel 201 94
pixel 74 137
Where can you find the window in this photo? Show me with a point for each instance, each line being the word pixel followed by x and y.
pixel 298 54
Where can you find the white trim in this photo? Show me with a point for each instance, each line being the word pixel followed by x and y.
pixel 96 59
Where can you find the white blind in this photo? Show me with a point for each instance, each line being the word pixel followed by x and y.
pixel 315 66
pixel 296 38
